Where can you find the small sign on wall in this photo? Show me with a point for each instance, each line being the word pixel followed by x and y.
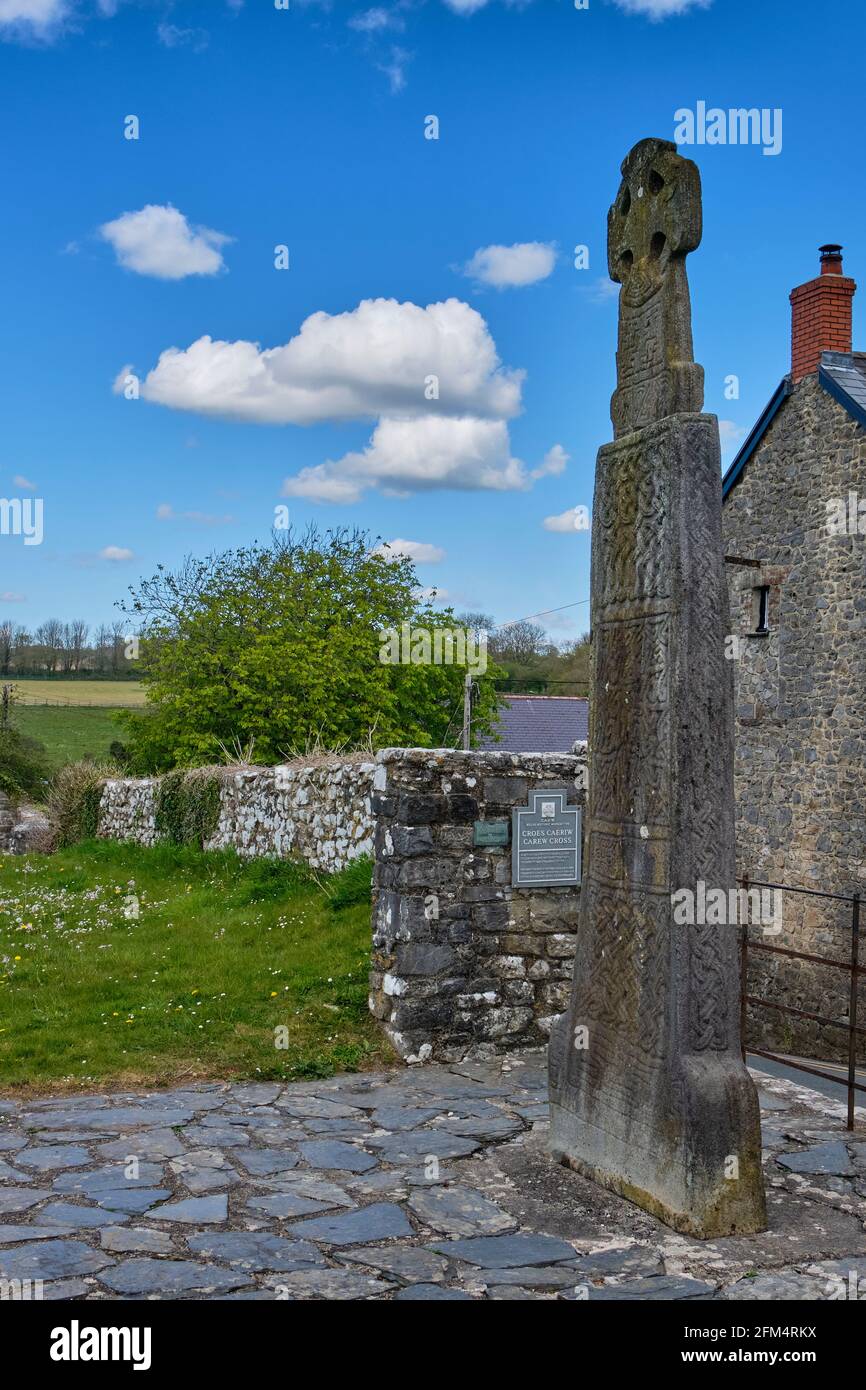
pixel 491 833
pixel 545 841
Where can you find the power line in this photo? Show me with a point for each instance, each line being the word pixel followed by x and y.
pixel 544 612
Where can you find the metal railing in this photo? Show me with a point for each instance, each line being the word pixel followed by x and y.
pixel 852 967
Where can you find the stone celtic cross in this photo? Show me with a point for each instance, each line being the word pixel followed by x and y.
pixel 653 223
pixel 649 1095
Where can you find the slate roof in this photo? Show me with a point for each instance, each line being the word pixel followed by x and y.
pixel 540 724
pixel 842 375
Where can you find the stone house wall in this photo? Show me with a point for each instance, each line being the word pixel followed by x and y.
pixel 800 694
pixel 464 964
pixel 322 813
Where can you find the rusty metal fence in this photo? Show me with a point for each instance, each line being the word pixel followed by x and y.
pixel 851 966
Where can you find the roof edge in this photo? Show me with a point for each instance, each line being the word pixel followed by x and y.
pixel 835 389
pixel 771 410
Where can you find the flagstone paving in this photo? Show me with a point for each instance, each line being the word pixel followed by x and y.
pixel 425 1184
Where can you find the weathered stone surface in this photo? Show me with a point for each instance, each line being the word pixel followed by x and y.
pixel 632 1260
pixel 459 1211
pixel 170 1277
pixel 20 1198
pixel 658 1287
pixel 649 1095
pixel 380 1221
pixel 334 1154
pixel 575 1240
pixel 820 1158
pixel 193 1211
pixel 406 1262
pixel 788 1287
pixel 52 1156
pixel 81 1217
pixel 11 1235
pixel 285 1204
pixel 109 1178
pixel 442 982
pixel 431 1293
pixel 331 1284
pixel 255 1250
pixel 263 1163
pixel 149 1143
pixel 136 1241
pixel 505 1252
pixel 322 814
pixel 51 1259
pixel 420 1144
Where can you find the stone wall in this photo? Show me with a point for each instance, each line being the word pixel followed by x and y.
pixel 464 964
pixel 320 813
pixel 800 694
pixel 23 829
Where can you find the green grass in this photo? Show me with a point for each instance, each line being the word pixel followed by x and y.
pixel 109 694
pixel 69 734
pixel 222 953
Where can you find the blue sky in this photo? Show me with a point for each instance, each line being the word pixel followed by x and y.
pixel 305 128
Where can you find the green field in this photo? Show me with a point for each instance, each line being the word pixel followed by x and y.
pixel 220 956
pixel 69 734
pixel 104 694
pixel 74 719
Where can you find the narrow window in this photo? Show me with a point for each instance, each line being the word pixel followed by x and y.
pixel 761 608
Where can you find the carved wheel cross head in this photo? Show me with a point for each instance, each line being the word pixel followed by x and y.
pixel 655 218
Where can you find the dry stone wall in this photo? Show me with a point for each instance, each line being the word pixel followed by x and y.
pixel 463 964
pixel 321 814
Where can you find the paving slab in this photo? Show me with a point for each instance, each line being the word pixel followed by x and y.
pixel 235 1197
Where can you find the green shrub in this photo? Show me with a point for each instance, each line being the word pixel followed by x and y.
pixel 73 803
pixel 23 770
pixel 187 806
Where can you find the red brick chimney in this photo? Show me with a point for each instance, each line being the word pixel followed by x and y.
pixel 821 314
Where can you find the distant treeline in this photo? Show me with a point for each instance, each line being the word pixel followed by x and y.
pixel 66 649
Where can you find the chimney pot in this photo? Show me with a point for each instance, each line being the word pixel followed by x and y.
pixel 821 314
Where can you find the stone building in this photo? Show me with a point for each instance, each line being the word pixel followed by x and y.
pixel 795 542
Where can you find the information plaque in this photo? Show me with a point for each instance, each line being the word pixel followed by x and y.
pixel 545 841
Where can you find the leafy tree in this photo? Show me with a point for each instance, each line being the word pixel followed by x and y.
pixel 281 644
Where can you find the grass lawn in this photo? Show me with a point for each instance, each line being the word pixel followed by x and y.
pixel 69 734
pixel 222 955
pixel 80 692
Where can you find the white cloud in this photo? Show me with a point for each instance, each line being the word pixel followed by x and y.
pixel 603 290
pixel 430 377
pixel 375 20
pixel 159 241
pixel 553 463
pixel 9 596
pixel 23 483
pixel 166 512
pixel 173 36
pixel 370 361
pixel 730 433
pixel 407 456
pixel 661 9
pixel 525 263
pixel 574 520
pixel 115 553
pixel 32 18
pixel 465 6
pixel 394 68
pixel 420 551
